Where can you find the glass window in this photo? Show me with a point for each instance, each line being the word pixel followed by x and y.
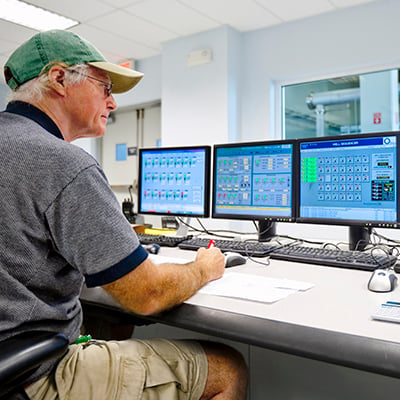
pixel 350 104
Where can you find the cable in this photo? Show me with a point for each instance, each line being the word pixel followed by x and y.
pixel 376 241
pixel 214 232
pixel 380 236
pixel 335 246
pixel 266 263
pixel 381 248
pixel 130 189
pixel 301 240
pixel 203 230
pixel 265 231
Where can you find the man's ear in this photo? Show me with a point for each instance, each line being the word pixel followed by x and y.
pixel 56 76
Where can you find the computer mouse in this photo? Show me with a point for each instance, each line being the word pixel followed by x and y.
pixel 232 259
pixel 152 248
pixel 382 280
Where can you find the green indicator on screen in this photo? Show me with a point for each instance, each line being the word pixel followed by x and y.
pixel 309 169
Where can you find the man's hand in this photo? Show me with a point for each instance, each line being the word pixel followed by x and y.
pixel 212 261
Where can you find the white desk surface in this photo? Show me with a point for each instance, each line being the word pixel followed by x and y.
pixel 339 301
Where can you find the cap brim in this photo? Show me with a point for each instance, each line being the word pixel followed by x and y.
pixel 123 78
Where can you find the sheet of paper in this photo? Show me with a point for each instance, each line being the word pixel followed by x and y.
pixel 244 286
pixel 157 259
pixel 254 287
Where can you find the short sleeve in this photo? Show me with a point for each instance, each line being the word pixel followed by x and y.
pixel 90 231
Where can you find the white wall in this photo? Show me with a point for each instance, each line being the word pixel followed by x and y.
pixel 195 102
pixel 4 91
pixel 122 131
pixel 148 90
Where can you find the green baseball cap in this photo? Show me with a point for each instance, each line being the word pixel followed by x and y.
pixel 28 60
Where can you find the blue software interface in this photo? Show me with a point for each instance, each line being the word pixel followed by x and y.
pixel 253 180
pixel 350 179
pixel 174 181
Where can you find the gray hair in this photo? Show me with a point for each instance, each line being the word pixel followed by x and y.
pixel 35 89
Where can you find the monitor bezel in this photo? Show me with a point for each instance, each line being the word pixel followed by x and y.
pixel 350 222
pixel 207 168
pixel 256 216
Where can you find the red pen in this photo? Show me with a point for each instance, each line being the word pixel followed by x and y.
pixel 211 243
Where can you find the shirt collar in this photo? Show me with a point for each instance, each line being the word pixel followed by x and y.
pixel 29 111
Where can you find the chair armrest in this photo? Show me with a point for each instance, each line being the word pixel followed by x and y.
pixel 23 353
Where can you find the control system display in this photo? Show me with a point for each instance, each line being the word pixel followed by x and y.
pixel 349 179
pixel 174 181
pixel 253 180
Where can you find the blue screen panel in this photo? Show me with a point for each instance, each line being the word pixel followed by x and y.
pixel 350 179
pixel 254 180
pixel 174 181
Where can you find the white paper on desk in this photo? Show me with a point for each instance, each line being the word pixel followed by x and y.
pixel 253 287
pixel 157 259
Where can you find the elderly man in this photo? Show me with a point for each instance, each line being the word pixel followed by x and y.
pixel 61 225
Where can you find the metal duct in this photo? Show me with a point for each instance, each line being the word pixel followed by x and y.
pixel 332 97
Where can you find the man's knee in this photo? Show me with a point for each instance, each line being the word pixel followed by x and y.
pixel 224 354
pixel 227 370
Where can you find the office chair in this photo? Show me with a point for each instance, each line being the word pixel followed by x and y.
pixel 21 355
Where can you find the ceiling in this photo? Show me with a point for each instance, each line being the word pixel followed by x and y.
pixel 136 29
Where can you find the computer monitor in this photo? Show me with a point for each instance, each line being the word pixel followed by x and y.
pixel 174 181
pixel 350 180
pixel 255 181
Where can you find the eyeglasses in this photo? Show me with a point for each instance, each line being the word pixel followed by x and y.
pixel 106 86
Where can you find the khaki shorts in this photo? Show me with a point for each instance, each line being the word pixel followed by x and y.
pixel 130 369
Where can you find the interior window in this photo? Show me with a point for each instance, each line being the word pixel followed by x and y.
pixel 350 104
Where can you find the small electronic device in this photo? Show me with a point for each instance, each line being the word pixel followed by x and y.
pixel 350 180
pixel 382 280
pixel 389 311
pixel 169 223
pixel 127 209
pixel 233 259
pixel 255 181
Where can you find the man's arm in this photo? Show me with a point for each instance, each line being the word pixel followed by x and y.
pixel 151 288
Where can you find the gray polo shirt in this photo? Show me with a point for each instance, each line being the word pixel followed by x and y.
pixel 60 224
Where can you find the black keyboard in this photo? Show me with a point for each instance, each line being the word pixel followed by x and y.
pixel 334 257
pixel 250 249
pixel 162 240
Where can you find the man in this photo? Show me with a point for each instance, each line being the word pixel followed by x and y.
pixel 61 224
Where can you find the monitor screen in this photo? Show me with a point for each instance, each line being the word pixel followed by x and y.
pixel 350 180
pixel 254 181
pixel 174 181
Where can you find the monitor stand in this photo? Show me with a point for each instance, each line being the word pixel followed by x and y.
pixel 358 237
pixel 266 230
pixel 183 228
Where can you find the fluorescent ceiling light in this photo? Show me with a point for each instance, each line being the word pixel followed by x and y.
pixel 33 17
